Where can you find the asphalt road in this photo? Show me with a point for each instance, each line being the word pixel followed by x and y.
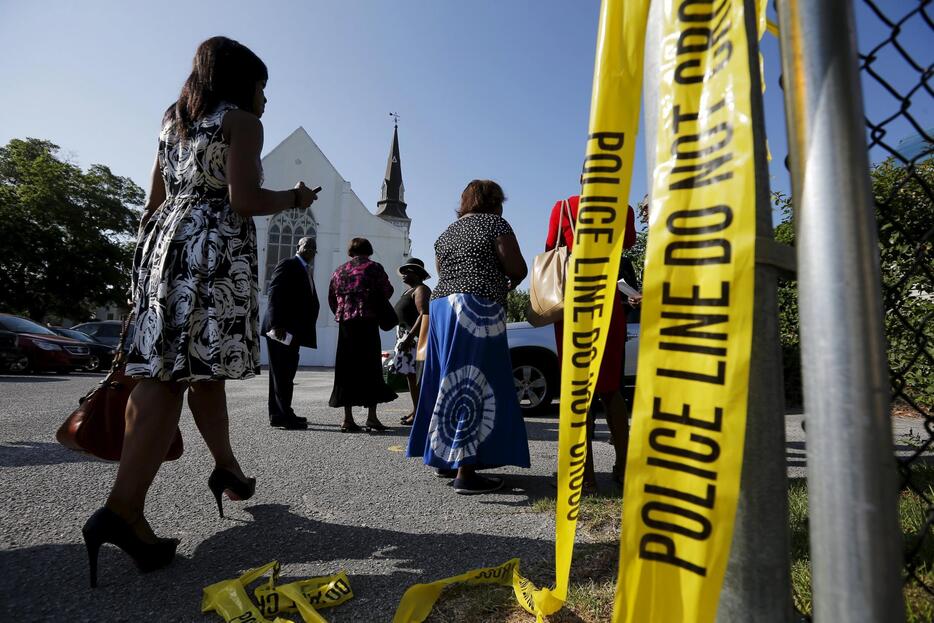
pixel 325 502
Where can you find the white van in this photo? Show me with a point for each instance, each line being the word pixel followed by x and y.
pixel 535 367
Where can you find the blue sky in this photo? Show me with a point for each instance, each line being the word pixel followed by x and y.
pixel 487 88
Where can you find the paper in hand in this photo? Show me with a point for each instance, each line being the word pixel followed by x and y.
pixel 627 289
pixel 287 340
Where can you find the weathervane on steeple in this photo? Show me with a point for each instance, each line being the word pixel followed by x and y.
pixel 395 118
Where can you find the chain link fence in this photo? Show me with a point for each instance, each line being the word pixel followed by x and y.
pixel 896 82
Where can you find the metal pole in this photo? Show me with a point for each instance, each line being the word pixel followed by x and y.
pixel 757 586
pixel 855 544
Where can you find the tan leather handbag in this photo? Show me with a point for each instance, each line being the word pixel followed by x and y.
pixel 549 273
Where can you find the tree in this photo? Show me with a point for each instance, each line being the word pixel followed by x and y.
pixel 905 215
pixel 636 253
pixel 66 235
pixel 517 306
pixel 905 219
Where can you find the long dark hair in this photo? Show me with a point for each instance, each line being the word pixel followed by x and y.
pixel 223 70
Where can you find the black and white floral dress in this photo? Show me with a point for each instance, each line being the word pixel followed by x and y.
pixel 194 272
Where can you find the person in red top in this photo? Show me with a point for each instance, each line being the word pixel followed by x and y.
pixel 609 379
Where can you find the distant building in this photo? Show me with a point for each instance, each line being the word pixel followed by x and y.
pixel 337 216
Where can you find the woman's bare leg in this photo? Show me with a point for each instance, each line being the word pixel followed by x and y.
pixel 208 403
pixel 348 417
pixel 413 390
pixel 590 476
pixel 152 414
pixel 371 416
pixel 618 422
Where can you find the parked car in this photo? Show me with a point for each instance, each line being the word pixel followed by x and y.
pixel 101 355
pixel 535 367
pixel 10 352
pixel 42 349
pixel 105 331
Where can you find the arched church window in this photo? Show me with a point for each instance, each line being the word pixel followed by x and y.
pixel 285 230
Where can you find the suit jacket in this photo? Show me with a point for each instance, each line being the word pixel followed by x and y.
pixel 293 305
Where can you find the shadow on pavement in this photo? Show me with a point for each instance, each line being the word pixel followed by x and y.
pixel 32 379
pixel 51 581
pixel 33 453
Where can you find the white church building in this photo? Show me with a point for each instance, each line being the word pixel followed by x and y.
pixel 333 220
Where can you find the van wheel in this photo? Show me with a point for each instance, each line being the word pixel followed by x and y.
pixel 536 383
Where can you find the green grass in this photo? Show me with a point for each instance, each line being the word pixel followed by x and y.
pixel 593 572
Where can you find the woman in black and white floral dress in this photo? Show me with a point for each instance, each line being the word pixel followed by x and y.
pixel 194 289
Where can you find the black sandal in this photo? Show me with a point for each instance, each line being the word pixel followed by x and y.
pixel 350 428
pixel 407 420
pixel 377 426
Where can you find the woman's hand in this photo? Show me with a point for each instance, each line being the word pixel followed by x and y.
pixel 306 196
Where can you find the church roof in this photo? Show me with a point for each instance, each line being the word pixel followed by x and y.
pixel 391 204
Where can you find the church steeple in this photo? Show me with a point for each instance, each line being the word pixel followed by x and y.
pixel 391 204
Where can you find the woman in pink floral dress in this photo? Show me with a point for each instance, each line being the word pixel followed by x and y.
pixel 357 289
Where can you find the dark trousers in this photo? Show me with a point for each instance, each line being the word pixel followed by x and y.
pixel 283 363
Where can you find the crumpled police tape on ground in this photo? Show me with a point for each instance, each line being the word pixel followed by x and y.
pixel 230 600
pixel 419 599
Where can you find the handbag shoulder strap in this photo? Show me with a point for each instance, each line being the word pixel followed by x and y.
pixel 565 207
pixel 120 355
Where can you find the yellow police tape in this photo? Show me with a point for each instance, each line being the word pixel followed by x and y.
pixel 229 598
pixel 686 445
pixel 682 476
pixel 419 599
pixel 594 264
pixel 592 274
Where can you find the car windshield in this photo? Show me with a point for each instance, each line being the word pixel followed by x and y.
pixel 109 330
pixel 76 335
pixel 21 325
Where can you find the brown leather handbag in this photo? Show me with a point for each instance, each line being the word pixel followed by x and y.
pixel 97 425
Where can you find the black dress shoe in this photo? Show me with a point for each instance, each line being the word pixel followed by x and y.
pixel 293 423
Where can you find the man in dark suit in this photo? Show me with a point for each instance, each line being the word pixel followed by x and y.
pixel 290 323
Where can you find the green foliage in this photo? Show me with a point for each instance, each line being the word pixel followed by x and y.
pixel 905 218
pixel 636 252
pixel 66 235
pixel 517 305
pixel 787 295
pixel 905 214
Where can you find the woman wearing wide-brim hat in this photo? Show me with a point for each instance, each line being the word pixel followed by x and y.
pixel 412 310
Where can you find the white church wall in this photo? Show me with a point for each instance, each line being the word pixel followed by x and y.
pixel 338 215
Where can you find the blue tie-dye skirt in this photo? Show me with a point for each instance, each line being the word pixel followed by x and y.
pixel 468 412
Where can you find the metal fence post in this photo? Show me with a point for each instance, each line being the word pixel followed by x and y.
pixel 757 586
pixel 855 548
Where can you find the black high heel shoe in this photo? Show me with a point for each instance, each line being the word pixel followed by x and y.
pixel 105 526
pixel 222 480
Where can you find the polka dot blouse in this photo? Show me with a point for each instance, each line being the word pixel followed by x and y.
pixel 467 260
